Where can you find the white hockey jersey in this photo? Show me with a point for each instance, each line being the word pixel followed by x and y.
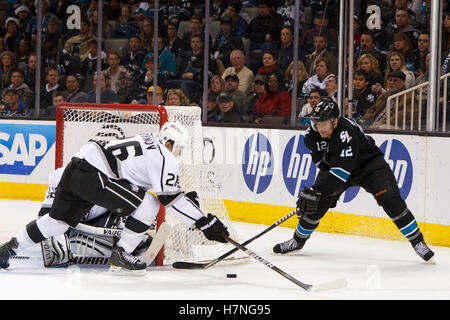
pixel 144 161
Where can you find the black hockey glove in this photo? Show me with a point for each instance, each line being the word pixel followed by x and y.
pixel 212 228
pixel 308 201
pixel 193 197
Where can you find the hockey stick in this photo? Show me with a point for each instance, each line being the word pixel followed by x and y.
pixel 335 284
pixel 158 241
pixel 199 265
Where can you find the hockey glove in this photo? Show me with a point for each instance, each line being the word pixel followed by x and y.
pixel 212 228
pixel 193 197
pixel 308 201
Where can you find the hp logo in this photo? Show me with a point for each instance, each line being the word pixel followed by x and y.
pixel 298 168
pixel 257 163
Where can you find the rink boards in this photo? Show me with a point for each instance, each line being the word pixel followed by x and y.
pixel 260 173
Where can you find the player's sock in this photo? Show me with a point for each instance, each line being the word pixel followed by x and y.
pixel 7 250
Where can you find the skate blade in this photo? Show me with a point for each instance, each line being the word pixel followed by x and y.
pixel 431 261
pixel 119 271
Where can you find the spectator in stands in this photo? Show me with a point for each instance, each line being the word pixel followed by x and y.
pixel 313 99
pixel 26 95
pixel 240 25
pixel 287 11
pixel 276 102
pixel 402 45
pixel 286 52
pixel 228 110
pixel 368 44
pixel 159 96
pixel 396 62
pixel 176 97
pixel 167 64
pixel 22 51
pixel 11 105
pixel 216 85
pixel 264 30
pixel 269 64
pixel 191 81
pixel 120 78
pixel 196 29
pixel 376 116
pixel 369 64
pixel 146 34
pixel 331 87
pixel 217 9
pixel 146 9
pixel 30 71
pixel 224 44
pixel 143 80
pixel 13 34
pixel 403 24
pixel 31 28
pixel 89 65
pixel 112 9
pixel 22 13
pixel 77 46
pixel 107 29
pixel 423 48
pixel 302 76
pixel 127 26
pixel 73 92
pixel 363 97
pixel 321 51
pixel 133 58
pixel 50 111
pixel 172 41
pixel 237 59
pixel 8 64
pixel 319 79
pixel 52 57
pixel 259 87
pixel 106 94
pixel 320 27
pixel 52 76
pixel 211 107
pixel 232 87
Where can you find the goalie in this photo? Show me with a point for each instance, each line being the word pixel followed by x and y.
pixel 117 177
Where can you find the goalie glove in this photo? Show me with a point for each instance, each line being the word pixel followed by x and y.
pixel 308 201
pixel 212 228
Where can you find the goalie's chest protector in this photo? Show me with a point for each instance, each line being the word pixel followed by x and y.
pixel 142 160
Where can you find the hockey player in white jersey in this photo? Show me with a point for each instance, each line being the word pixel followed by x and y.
pixel 117 177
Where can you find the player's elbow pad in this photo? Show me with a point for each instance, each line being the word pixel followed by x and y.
pixel 167 199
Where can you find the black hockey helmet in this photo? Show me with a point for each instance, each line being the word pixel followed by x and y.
pixel 326 109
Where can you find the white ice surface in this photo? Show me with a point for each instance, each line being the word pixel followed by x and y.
pixel 375 269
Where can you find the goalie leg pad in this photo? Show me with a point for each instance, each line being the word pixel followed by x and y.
pixel 56 251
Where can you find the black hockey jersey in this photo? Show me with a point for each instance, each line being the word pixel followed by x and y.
pixel 349 149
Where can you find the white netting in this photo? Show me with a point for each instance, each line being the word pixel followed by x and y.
pixel 82 125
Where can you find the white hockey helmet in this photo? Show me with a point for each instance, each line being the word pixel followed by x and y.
pixel 175 131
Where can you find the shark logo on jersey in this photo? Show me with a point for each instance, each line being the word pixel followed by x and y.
pixel 257 163
pixel 298 168
pixel 22 147
pixel 397 156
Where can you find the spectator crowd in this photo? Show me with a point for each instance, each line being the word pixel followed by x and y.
pixel 250 62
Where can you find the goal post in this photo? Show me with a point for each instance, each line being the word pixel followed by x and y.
pixel 77 123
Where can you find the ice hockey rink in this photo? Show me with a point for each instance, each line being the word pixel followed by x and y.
pixel 374 268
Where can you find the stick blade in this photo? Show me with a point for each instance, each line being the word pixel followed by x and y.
pixel 158 241
pixel 188 265
pixel 330 285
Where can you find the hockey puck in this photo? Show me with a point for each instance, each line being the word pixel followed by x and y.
pixel 231 275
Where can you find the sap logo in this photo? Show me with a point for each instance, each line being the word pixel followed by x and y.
pixel 298 168
pixel 257 163
pixel 22 147
pixel 398 158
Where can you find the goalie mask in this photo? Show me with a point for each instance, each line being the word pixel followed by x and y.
pixel 175 132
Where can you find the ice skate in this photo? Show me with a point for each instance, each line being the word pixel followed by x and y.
pixel 125 263
pixel 288 246
pixel 424 251
pixel 7 251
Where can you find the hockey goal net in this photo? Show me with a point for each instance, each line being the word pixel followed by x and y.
pixel 77 123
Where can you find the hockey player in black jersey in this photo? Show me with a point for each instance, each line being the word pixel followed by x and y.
pixel 347 157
